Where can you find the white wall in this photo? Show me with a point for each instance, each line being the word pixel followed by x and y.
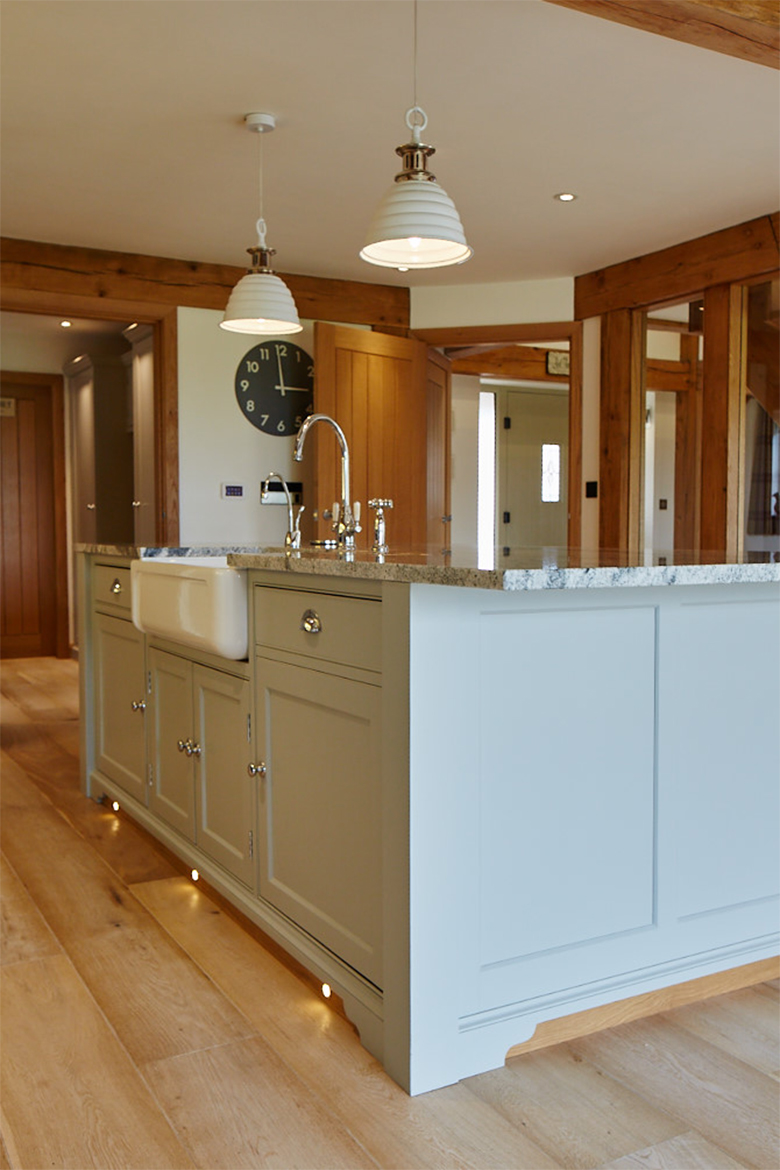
pixel 465 430
pixel 509 303
pixel 218 445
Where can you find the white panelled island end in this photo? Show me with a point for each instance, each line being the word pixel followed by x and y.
pixel 472 801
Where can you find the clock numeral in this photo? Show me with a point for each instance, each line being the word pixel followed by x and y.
pixel 265 418
pixel 298 421
pixel 245 384
pixel 281 428
pixel 250 405
pixel 311 371
pixel 281 349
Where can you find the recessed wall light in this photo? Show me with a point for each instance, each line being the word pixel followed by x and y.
pixel 326 991
pixel 565 197
pixel 66 324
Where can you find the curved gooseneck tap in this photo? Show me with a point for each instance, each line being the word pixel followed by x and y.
pixel 345 520
pixel 293 537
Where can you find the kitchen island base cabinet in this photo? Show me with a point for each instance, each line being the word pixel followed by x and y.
pixel 199 783
pixel 120 703
pixel 320 807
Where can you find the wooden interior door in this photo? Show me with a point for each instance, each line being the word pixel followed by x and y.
pixel 31 564
pixel 374 386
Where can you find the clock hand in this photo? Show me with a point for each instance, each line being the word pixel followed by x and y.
pixel 282 386
pixel 297 389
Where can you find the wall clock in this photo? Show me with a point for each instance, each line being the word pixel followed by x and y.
pixel 275 387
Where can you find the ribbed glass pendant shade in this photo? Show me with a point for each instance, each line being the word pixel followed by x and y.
pixel 416 225
pixel 261 303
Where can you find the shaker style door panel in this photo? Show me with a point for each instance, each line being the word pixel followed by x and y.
pixel 120 697
pixel 171 795
pixel 224 790
pixel 320 856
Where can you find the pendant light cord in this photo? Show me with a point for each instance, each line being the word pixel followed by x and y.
pixel 414 103
pixel 261 228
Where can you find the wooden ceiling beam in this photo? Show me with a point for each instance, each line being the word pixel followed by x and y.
pixel 748 29
pixel 94 276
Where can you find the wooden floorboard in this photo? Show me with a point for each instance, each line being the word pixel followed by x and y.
pixel 143 1026
pixel 24 934
pixel 690 1151
pixel 712 1093
pixel 71 1095
pixel 571 1110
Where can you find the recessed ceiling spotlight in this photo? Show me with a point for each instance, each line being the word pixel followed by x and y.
pixel 66 324
pixel 565 197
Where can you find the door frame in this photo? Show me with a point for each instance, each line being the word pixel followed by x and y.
pixel 54 383
pixel 163 319
pixel 497 336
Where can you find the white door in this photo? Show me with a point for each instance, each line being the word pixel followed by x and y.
pixel 532 427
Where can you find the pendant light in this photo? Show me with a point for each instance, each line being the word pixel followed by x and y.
pixel 261 302
pixel 416 225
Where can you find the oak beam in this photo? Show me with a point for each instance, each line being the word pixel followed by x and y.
pixel 621 432
pixel 722 453
pixel 54 270
pixel 520 362
pixel 748 29
pixel 496 334
pixel 682 271
pixel 687 453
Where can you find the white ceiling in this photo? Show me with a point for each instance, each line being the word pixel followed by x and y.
pixel 122 128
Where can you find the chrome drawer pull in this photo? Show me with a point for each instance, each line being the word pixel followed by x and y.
pixel 117 586
pixel 256 769
pixel 310 622
pixel 139 706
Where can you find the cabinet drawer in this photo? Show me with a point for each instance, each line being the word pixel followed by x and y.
pixel 350 628
pixel 112 587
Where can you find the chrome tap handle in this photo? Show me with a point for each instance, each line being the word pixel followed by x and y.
pixel 379 506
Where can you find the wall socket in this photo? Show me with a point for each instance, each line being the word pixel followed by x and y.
pixel 231 491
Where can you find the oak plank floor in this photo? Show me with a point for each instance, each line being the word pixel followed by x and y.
pixel 143 1026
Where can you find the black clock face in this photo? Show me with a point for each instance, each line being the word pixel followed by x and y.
pixel 275 387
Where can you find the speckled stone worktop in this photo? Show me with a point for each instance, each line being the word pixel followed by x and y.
pixel 522 569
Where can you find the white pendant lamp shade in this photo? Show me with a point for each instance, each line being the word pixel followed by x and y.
pixel 416 225
pixel 261 302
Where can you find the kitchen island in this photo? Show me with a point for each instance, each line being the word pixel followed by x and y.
pixel 483 799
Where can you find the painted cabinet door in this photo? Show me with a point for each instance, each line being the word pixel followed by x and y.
pixel 171 793
pixel 320 807
pixel 120 695
pixel 225 794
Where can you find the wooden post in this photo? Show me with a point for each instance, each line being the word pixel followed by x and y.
pixel 622 431
pixel 722 455
pixel 687 450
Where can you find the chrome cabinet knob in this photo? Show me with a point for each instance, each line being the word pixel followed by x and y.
pixel 117 586
pixel 194 749
pixel 183 744
pixel 256 769
pixel 310 622
pixel 139 706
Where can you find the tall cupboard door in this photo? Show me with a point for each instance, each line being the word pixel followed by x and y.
pixel 120 703
pixel 225 793
pixel 320 857
pixel 171 794
pixel 374 386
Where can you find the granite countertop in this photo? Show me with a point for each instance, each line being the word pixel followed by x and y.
pixel 521 569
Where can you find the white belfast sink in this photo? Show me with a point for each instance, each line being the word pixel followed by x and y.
pixel 199 601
